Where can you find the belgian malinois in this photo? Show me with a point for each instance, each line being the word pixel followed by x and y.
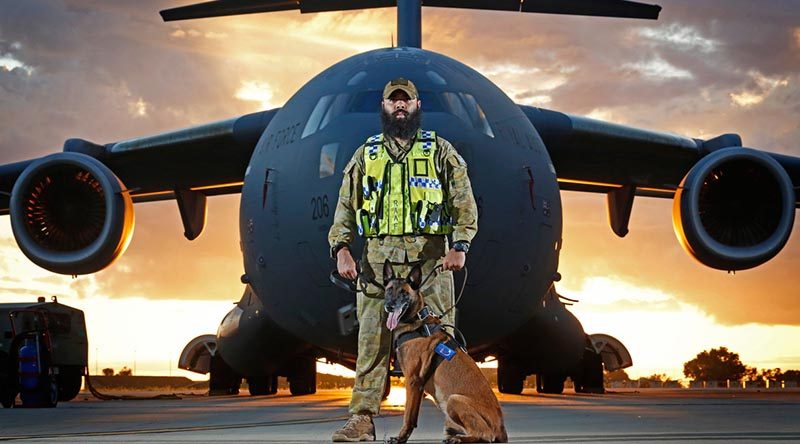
pixel 433 363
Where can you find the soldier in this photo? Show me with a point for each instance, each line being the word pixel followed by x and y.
pixel 405 190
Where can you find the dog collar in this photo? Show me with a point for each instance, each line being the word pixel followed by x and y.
pixel 422 332
pixel 425 312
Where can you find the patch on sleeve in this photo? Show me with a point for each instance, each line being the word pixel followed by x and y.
pixel 455 159
pixel 349 167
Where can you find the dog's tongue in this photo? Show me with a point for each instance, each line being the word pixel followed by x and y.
pixel 394 318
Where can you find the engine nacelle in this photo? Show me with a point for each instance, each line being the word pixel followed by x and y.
pixel 70 214
pixel 734 210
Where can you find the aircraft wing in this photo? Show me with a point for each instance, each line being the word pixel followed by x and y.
pixel 595 156
pixel 210 158
pixel 72 212
pixel 733 209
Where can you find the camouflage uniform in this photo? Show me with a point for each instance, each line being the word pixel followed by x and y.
pixel 374 339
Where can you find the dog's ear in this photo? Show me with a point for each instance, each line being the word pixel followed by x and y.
pixel 388 273
pixel 415 276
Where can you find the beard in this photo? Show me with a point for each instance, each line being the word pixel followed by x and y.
pixel 403 129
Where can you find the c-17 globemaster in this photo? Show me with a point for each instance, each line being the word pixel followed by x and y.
pixel 72 212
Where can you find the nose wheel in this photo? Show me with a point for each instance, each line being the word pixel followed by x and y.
pixel 263 385
pixel 223 380
pixel 303 376
pixel 510 376
pixel 550 383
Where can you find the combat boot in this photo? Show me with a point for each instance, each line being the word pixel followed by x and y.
pixel 358 428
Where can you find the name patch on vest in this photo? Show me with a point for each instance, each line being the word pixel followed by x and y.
pixel 420 167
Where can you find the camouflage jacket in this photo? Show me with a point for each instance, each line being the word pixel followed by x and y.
pixel 452 171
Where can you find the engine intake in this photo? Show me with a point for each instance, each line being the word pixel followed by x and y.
pixel 70 215
pixel 734 209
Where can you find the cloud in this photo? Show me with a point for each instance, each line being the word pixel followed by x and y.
pixel 138 108
pixel 179 33
pixel 255 91
pixel 685 38
pixel 763 87
pixel 9 63
pixel 658 69
pixel 96 64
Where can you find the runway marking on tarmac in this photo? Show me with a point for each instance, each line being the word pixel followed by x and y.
pixel 180 429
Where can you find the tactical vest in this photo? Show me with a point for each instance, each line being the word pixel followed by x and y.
pixel 402 197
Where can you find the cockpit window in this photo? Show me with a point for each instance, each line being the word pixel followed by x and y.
pixel 337 108
pixel 370 102
pixel 455 106
pixel 462 105
pixel 477 116
pixel 312 125
pixel 465 107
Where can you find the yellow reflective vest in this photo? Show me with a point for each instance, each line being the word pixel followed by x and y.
pixel 403 197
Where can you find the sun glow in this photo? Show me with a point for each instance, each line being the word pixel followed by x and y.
pixel 397 396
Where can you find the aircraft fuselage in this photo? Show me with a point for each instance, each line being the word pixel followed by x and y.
pixel 292 185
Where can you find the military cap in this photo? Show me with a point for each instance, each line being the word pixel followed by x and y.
pixel 401 84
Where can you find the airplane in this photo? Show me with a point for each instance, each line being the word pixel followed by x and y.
pixel 72 212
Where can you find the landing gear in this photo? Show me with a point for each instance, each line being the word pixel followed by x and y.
pixel 510 377
pixel 303 376
pixel 223 380
pixel 550 383
pixel 590 376
pixel 69 381
pixel 263 385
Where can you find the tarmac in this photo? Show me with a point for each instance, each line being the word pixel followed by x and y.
pixel 648 415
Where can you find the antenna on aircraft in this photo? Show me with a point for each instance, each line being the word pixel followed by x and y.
pixel 409 12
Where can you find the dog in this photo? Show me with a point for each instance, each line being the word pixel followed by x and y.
pixel 472 412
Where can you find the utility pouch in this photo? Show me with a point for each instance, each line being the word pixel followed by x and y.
pixel 363 222
pixel 419 215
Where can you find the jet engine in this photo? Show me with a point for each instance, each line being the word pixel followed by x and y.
pixel 734 210
pixel 70 214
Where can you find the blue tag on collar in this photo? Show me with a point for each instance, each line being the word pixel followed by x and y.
pixel 444 351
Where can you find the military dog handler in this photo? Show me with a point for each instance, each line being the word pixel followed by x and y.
pixel 405 190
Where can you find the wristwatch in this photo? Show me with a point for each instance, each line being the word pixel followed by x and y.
pixel 461 246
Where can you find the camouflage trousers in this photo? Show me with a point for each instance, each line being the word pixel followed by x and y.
pixel 375 340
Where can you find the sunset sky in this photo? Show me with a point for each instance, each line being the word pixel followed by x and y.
pixel 107 71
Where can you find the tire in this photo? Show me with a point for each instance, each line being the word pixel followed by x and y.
pixel 7 394
pixel 273 385
pixel 223 380
pixel 510 377
pixel 550 384
pixel 69 382
pixel 590 377
pixel 263 385
pixel 303 378
pixel 50 390
pixel 5 398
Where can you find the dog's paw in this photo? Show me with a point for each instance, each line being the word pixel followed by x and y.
pixel 394 440
pixel 451 440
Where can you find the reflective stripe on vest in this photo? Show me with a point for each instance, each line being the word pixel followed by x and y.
pixel 402 197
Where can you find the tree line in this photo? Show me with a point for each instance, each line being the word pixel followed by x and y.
pixel 717 364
